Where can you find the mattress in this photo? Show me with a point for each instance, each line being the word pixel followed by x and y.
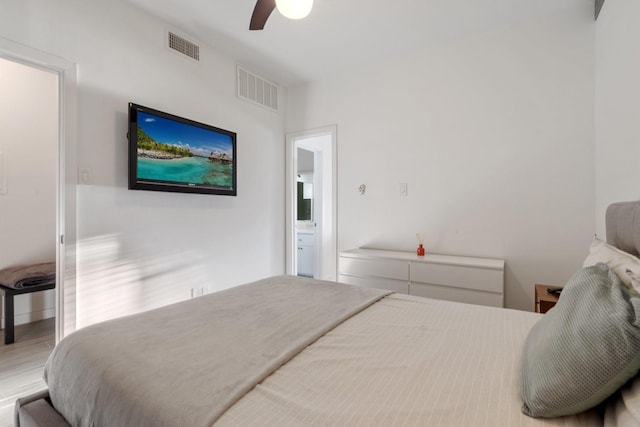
pixel 287 351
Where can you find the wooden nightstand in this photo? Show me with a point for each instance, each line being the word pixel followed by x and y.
pixel 544 300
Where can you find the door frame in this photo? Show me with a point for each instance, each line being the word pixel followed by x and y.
pixel 327 242
pixel 66 180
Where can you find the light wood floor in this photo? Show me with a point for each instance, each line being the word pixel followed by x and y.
pixel 21 364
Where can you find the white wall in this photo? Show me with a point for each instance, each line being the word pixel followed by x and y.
pixel 139 250
pixel 494 136
pixel 28 143
pixel 617 105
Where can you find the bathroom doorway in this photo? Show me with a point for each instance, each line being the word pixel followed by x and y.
pixel 311 196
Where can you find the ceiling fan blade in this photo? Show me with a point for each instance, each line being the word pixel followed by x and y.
pixel 261 13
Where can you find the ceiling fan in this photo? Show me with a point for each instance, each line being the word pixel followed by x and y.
pixel 292 9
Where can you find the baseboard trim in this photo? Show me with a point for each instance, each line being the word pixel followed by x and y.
pixel 33 316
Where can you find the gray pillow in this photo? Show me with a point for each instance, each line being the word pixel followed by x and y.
pixel 584 348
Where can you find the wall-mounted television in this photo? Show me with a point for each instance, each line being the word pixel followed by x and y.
pixel 171 153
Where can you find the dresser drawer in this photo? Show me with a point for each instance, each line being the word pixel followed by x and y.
pixel 480 279
pixel 399 286
pixel 398 270
pixel 447 293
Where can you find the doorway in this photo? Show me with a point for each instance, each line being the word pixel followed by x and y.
pixel 311 200
pixel 29 113
pixel 63 236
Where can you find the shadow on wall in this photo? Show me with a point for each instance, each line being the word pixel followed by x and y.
pixel 113 282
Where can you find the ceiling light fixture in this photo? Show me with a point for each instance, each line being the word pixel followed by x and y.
pixel 294 9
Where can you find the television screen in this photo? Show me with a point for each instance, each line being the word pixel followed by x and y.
pixel 171 153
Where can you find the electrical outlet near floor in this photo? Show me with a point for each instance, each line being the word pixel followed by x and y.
pixel 197 292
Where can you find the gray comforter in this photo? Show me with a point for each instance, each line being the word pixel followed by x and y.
pixel 185 364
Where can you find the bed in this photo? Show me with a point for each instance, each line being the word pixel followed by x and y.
pixel 288 351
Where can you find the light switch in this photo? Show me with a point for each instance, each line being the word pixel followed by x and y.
pixel 84 176
pixel 3 175
pixel 403 189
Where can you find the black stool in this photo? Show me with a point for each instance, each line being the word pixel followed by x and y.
pixel 8 306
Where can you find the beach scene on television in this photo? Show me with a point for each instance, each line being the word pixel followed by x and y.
pixel 172 151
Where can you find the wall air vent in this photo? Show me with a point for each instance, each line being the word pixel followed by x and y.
pixel 257 90
pixel 183 46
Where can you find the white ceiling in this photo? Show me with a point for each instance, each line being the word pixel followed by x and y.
pixel 340 34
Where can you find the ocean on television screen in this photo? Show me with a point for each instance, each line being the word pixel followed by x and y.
pixel 195 170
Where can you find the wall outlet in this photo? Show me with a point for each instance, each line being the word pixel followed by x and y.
pixel 197 292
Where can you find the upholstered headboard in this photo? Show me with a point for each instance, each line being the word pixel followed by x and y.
pixel 623 226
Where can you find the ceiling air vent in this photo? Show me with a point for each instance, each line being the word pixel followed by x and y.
pixel 184 46
pixel 257 90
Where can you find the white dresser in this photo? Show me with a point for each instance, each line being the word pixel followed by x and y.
pixel 447 277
